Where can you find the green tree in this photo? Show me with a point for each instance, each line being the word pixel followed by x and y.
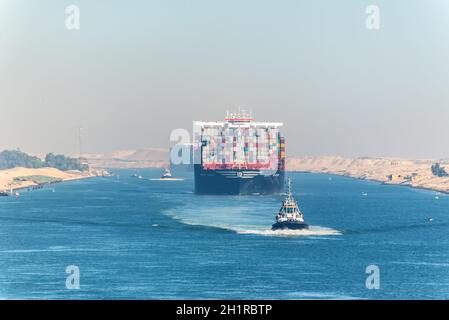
pixel 438 171
pixel 64 163
pixel 15 158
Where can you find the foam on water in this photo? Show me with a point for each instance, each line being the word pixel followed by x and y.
pixel 319 296
pixel 312 231
pixel 240 225
pixel 239 214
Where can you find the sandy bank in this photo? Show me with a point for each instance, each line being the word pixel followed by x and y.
pixel 8 177
pixel 413 173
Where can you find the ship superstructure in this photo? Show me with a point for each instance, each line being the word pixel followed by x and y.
pixel 238 156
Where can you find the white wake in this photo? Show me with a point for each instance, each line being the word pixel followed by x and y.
pixel 312 231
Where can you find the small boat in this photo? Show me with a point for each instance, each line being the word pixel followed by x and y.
pixel 289 216
pixel 167 176
pixel 138 176
pixel 5 193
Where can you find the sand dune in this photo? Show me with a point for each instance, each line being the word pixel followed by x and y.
pixel 7 176
pixel 141 158
pixel 414 173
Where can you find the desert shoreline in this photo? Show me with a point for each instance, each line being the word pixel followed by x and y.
pixel 373 180
pixel 415 174
pixel 19 178
pixel 389 171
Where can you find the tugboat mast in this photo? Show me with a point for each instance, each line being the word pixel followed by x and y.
pixel 289 192
pixel 290 198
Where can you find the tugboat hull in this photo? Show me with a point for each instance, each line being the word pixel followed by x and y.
pixel 289 226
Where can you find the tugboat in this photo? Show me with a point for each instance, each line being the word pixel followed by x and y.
pixel 5 193
pixel 166 174
pixel 289 216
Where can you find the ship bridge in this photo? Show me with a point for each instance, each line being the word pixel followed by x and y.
pixel 240 119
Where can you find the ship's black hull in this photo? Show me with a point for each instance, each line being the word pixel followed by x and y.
pixel 237 182
pixel 289 226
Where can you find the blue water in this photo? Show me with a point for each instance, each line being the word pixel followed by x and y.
pixel 137 238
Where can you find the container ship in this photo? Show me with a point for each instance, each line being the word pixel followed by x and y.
pixel 238 156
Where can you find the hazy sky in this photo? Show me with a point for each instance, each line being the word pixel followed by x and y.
pixel 138 69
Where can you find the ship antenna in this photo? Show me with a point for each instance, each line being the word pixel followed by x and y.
pixel 289 188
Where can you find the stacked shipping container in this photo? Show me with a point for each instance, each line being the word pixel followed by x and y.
pixel 251 146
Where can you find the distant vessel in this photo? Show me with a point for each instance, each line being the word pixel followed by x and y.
pixel 135 175
pixel 6 193
pixel 238 156
pixel 289 216
pixel 166 174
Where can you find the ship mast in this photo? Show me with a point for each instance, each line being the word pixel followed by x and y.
pixel 289 191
